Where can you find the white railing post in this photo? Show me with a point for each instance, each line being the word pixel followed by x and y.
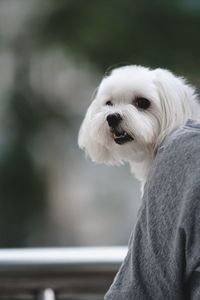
pixel 46 294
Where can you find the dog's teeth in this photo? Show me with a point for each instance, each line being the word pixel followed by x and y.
pixel 124 134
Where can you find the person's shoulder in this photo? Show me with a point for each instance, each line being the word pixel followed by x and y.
pixel 184 141
pixel 177 160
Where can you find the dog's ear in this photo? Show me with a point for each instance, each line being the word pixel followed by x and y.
pixel 177 100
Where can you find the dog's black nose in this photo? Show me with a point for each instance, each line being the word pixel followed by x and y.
pixel 113 120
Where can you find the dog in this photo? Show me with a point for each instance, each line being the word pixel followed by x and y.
pixel 134 110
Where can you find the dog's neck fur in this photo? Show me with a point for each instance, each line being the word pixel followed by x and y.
pixel 141 169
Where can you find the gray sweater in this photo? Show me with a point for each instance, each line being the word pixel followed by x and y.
pixel 163 260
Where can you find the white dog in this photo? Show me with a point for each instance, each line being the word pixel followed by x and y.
pixel 134 110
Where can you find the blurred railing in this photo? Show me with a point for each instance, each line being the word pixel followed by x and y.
pixel 58 273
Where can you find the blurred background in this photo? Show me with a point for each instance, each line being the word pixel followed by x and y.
pixel 53 54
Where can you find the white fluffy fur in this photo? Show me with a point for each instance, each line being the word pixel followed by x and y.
pixel 173 102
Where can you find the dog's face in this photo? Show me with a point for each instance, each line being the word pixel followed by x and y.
pixel 133 110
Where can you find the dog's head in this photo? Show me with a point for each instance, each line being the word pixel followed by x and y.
pixel 133 111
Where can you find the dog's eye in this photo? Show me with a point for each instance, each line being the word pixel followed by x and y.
pixel 109 103
pixel 142 103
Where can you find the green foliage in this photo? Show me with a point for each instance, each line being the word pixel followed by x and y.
pixel 155 33
pixel 22 186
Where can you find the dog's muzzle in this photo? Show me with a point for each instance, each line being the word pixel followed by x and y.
pixel 120 136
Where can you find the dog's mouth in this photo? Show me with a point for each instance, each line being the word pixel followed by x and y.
pixel 121 137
